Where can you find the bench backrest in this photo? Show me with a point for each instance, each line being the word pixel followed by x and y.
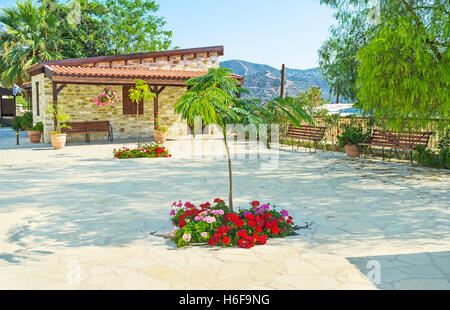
pixel 306 132
pixel 399 139
pixel 87 126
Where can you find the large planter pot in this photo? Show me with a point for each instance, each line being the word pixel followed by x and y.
pixel 34 136
pixel 351 150
pixel 160 136
pixel 58 140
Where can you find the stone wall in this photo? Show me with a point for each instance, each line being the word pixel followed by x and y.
pixel 197 62
pixel 77 101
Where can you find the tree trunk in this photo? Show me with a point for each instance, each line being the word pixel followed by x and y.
pixel 230 173
pixel 137 121
pixel 338 95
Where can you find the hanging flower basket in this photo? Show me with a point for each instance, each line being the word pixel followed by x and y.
pixel 108 96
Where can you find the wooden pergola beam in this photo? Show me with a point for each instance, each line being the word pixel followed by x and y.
pixel 156 90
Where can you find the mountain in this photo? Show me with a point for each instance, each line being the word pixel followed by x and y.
pixel 264 81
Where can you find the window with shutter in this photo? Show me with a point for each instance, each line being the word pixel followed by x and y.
pixel 129 107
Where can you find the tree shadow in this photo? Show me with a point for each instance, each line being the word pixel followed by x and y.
pixel 88 201
pixel 415 271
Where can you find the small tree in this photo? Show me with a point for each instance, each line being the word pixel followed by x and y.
pixel 213 97
pixel 140 92
pixel 61 117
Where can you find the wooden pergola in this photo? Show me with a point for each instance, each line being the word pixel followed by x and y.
pixel 122 70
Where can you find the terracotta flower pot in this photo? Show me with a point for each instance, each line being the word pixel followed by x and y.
pixel 58 140
pixel 351 150
pixel 34 136
pixel 160 136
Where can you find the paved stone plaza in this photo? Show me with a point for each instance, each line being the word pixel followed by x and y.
pixel 79 219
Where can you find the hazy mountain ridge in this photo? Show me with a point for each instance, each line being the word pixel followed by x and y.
pixel 264 81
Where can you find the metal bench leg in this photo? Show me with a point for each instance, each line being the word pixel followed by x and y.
pixel 398 154
pixel 382 152
pixel 411 156
pixel 390 155
pixel 371 152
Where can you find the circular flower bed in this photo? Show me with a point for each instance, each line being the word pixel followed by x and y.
pixel 152 150
pixel 217 226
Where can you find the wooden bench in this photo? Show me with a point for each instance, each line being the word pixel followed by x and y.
pixel 304 132
pixel 397 140
pixel 89 127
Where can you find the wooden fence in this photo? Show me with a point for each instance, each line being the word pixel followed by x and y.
pixel 332 129
pixel 7 107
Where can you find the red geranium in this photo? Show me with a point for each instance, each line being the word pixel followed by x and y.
pixel 226 240
pixel 255 204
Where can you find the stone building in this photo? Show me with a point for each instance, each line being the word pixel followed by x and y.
pixel 74 83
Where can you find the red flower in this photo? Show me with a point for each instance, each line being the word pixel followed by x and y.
pixel 258 229
pixel 255 203
pixel 249 216
pixel 251 223
pixel 242 234
pixel 262 239
pixel 226 240
pixel 182 222
pixel 222 230
pixel 275 230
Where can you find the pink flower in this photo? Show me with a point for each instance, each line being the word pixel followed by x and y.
pixel 187 237
pixel 204 234
pixel 209 219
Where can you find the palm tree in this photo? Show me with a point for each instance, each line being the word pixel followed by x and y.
pixel 32 36
pixel 213 97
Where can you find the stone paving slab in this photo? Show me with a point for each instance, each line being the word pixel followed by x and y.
pixel 80 207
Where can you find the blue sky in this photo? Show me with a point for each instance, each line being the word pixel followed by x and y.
pixel 262 31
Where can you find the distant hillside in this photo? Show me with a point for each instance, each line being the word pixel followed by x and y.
pixel 264 81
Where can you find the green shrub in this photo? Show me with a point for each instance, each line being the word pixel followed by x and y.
pixel 16 123
pixel 434 159
pixel 23 122
pixel 37 127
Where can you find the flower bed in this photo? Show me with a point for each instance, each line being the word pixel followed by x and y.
pixel 217 226
pixel 149 150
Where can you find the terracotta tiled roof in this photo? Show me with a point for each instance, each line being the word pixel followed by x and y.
pixel 99 59
pixel 124 72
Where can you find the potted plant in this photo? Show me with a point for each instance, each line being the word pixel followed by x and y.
pixel 350 137
pixel 35 132
pixel 160 131
pixel 58 137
